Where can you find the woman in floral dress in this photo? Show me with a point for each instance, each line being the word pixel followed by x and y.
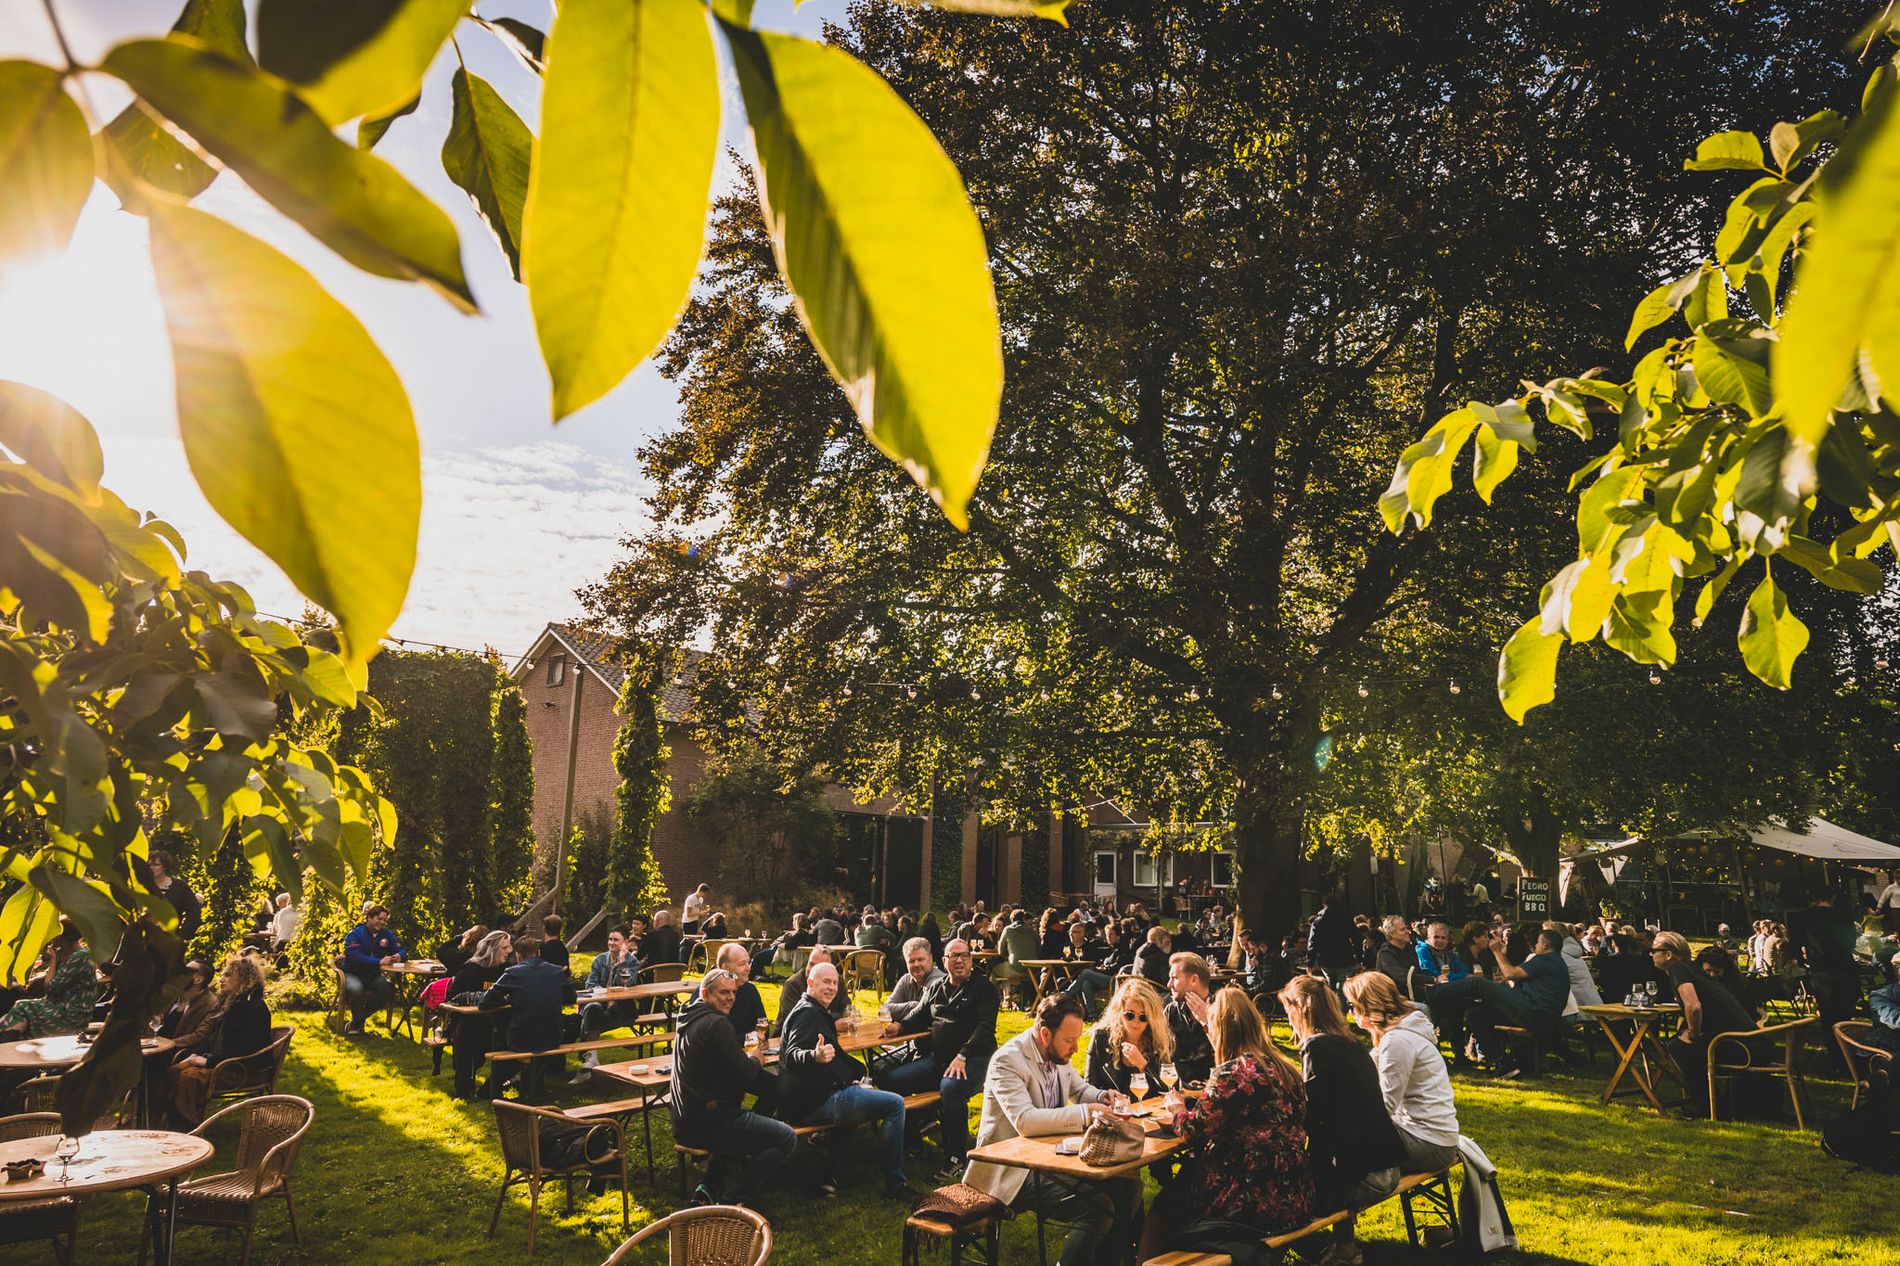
pixel 1245 1157
pixel 72 986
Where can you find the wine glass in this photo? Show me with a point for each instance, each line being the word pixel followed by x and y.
pixel 1138 1085
pixel 1169 1077
pixel 67 1149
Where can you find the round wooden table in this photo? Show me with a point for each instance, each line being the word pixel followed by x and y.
pixel 49 1054
pixel 111 1160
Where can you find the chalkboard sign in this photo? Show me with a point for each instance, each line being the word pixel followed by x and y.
pixel 1533 899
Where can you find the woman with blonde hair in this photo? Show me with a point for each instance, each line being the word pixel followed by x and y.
pixel 1244 1160
pixel 243 1029
pixel 1131 1037
pixel 1412 1075
pixel 1353 1147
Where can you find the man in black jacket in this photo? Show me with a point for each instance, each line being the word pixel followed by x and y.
pixel 661 944
pixel 1190 990
pixel 711 1071
pixel 958 1014
pixel 821 1085
pixel 535 992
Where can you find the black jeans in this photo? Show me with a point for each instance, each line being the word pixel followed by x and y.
pixel 1099 1215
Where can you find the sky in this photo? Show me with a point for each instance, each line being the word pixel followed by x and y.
pixel 517 513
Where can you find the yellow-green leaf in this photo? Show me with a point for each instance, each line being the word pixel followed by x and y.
pixel 616 210
pixel 883 253
pixel 487 152
pixel 372 130
pixel 1847 289
pixel 1049 9
pixel 1527 670
pixel 1771 636
pixel 350 58
pixel 296 427
pixel 352 201
pixel 1657 306
pixel 50 436
pixel 1728 150
pixel 1492 461
pixel 45 161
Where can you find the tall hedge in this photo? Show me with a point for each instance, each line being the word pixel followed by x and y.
pixel 510 798
pixel 633 880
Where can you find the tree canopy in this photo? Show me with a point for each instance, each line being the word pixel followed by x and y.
pixel 1243 253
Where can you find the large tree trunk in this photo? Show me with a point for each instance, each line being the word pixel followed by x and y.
pixel 1534 833
pixel 1268 833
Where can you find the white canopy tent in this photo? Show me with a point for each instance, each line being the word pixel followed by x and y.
pixel 1828 842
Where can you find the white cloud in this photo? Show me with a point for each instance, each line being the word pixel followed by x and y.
pixel 508 534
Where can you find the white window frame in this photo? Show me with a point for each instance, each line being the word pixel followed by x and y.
pixel 1145 861
pixel 1096 882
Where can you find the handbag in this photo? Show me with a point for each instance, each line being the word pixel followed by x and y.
pixel 1111 1140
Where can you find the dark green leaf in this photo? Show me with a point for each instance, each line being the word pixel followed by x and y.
pixel 488 152
pixel 370 131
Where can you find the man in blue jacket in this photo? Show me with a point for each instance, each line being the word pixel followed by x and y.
pixel 535 992
pixel 368 948
pixel 821 1085
pixel 1438 960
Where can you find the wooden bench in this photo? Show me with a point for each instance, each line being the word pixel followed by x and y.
pixel 581 1048
pixel 1433 1188
pixel 921 1229
pixel 683 1153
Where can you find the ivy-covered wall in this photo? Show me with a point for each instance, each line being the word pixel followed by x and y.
pixel 633 881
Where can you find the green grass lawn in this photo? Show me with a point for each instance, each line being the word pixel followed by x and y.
pixel 395 1172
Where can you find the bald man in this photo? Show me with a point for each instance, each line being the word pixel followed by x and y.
pixel 821 1085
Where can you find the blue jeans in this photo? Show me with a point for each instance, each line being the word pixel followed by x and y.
pixel 763 958
pixel 1091 986
pixel 758 1144
pixel 953 1114
pixel 851 1105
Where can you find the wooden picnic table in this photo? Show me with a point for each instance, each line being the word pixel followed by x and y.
pixel 1639 1054
pixel 652 1077
pixel 112 1160
pixel 1069 967
pixel 1037 1153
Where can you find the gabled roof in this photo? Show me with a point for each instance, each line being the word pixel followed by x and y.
pixel 596 653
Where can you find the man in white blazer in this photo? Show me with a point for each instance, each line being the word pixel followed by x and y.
pixel 1034 1090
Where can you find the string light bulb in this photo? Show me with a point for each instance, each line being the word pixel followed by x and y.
pixel 910 692
pixel 1363 690
pixel 1194 694
pixel 1456 688
pixel 1655 677
pixel 1278 694
pixel 847 690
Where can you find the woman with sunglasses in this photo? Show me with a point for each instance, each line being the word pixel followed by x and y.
pixel 1132 1037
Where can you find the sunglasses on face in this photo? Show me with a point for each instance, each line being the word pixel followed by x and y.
pixel 1130 1017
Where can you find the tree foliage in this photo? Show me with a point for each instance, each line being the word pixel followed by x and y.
pixel 633 882
pixel 1243 252
pixel 775 837
pixel 446 740
pixel 1762 435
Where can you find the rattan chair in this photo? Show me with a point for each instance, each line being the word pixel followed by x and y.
pixel 519 1126
pixel 39 1094
pixel 242 1076
pixel 863 969
pixel 662 973
pixel 1732 1055
pixel 1871 1066
pixel 55 1219
pixel 713 1235
pixel 268 1140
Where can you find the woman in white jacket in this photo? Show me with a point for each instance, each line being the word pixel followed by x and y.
pixel 1412 1074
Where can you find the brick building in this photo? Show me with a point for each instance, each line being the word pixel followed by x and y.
pixel 569 671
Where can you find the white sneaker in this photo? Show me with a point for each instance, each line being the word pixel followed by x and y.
pixel 590 1059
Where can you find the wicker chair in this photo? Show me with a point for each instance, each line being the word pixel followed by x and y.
pixel 863 969
pixel 1871 1066
pixel 38 1095
pixel 662 972
pixel 255 1074
pixel 1732 1055
pixel 520 1129
pixel 55 1219
pixel 272 1131
pixel 714 1235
